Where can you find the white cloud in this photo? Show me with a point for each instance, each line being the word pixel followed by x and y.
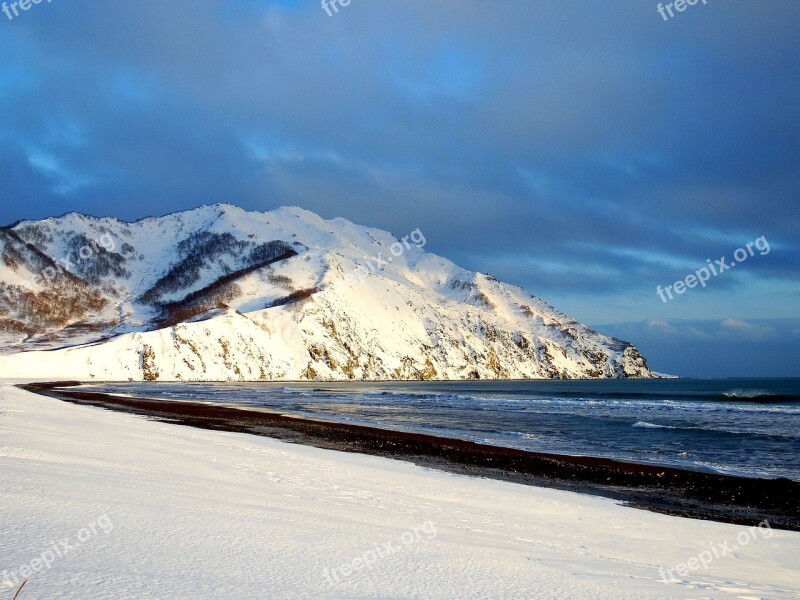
pixel 740 328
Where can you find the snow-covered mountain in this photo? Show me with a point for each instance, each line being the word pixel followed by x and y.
pixel 218 293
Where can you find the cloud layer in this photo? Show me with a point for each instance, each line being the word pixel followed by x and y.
pixel 587 152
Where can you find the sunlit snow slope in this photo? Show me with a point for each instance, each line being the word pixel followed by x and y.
pixel 200 515
pixel 218 293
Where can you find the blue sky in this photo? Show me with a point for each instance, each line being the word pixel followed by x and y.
pixel 587 151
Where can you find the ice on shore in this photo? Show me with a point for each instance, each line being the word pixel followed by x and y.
pixel 134 509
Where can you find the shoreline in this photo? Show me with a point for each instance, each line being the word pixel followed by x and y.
pixel 666 490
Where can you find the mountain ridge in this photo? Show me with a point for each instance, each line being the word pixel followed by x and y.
pixel 220 293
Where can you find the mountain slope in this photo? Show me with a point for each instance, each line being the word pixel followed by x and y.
pixel 218 293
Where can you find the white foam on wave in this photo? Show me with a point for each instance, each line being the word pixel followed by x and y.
pixel 646 425
pixel 740 393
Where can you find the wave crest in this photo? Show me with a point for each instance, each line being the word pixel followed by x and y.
pixel 646 425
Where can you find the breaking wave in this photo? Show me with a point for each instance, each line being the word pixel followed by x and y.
pixel 646 425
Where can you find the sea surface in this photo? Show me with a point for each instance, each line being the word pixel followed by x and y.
pixel 738 426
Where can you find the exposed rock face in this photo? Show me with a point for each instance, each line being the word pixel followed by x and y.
pixel 219 294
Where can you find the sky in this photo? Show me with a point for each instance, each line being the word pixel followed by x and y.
pixel 588 151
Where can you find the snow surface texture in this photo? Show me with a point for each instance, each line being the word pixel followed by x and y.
pixel 221 294
pixel 199 514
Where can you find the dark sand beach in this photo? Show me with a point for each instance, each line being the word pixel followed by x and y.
pixel 667 490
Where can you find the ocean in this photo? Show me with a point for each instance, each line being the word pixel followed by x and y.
pixel 748 427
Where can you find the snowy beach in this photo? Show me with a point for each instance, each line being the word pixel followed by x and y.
pixel 203 514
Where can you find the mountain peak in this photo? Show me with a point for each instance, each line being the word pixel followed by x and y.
pixel 218 292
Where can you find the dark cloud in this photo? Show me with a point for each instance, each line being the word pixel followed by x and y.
pixel 582 150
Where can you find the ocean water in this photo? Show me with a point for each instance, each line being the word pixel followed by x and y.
pixel 738 426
